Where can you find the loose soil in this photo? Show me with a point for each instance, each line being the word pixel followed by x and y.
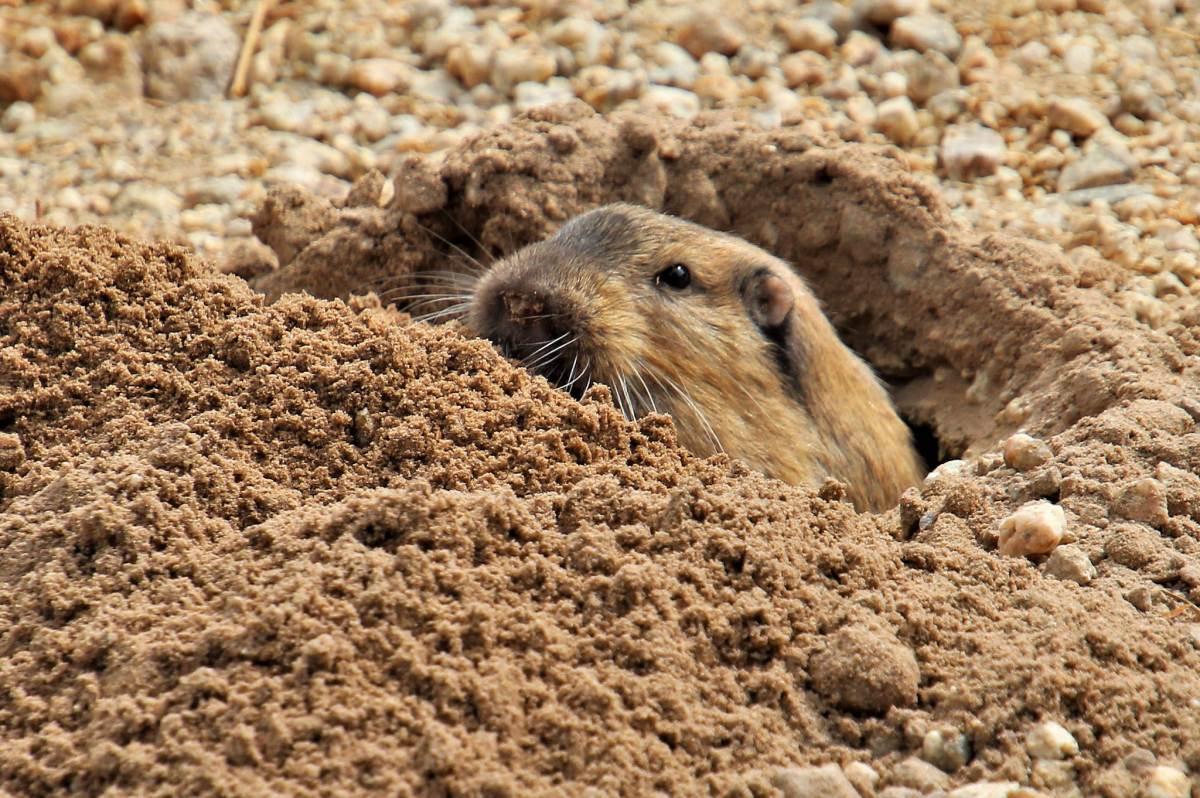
pixel 309 547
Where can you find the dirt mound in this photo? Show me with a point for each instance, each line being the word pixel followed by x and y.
pixel 307 547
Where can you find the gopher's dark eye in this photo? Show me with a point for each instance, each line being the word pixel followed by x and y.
pixel 675 276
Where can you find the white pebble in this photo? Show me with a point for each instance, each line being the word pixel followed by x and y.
pixel 1051 741
pixel 531 94
pixel 675 65
pixel 1032 54
pixel 987 789
pixel 670 100
pixel 971 150
pixel 922 32
pixel 380 76
pixel 862 776
pixel 1024 452
pixel 950 468
pixel 1035 528
pixel 860 49
pixel 1076 115
pixel 36 42
pixel 893 84
pixel 948 749
pixel 1168 782
pixel 17 116
pixel 897 119
pixel 520 65
pixel 1079 57
pixel 808 34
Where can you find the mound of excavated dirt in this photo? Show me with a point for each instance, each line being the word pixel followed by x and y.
pixel 310 548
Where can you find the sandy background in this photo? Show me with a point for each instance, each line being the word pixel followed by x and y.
pixel 306 546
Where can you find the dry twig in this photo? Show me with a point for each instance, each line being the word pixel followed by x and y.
pixel 238 86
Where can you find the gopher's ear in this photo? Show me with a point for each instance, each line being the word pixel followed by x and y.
pixel 768 300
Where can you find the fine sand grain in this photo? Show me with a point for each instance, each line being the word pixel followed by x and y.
pixel 311 548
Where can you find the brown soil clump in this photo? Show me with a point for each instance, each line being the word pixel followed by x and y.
pixel 307 547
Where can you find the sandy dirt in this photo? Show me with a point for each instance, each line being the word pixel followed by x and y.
pixel 308 547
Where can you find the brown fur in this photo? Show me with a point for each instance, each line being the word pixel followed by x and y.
pixel 799 406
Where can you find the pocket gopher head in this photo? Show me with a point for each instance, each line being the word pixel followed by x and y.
pixel 660 309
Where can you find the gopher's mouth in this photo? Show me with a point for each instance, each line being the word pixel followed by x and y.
pixel 560 360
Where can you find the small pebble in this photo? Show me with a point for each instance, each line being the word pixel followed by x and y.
pixel 991 789
pixel 896 791
pixel 893 84
pixel 1076 115
pixel 919 775
pixel 860 49
pixel 808 34
pixel 948 749
pixel 157 201
pixel 670 100
pixel 1079 57
pixel 1024 452
pixel 1050 740
pixel 1035 528
pixel 1167 782
pixel 885 12
pixel 707 31
pixel 863 776
pixel 1100 167
pixel 948 469
pixel 1070 563
pixel 17 116
pixel 971 151
pixel 189 57
pixel 922 32
pixel 826 781
pixel 521 64
pixel 928 74
pixel 897 119
pixel 380 76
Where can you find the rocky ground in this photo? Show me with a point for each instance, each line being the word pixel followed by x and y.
pixel 1071 121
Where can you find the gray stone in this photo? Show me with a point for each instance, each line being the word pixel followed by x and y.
pixel 928 74
pixel 1071 563
pixel 190 57
pixel 148 198
pixel 924 32
pixel 919 775
pixel 219 190
pixel 826 781
pixel 1110 194
pixel 971 150
pixel 1102 166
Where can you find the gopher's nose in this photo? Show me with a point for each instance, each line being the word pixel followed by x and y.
pixel 523 306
